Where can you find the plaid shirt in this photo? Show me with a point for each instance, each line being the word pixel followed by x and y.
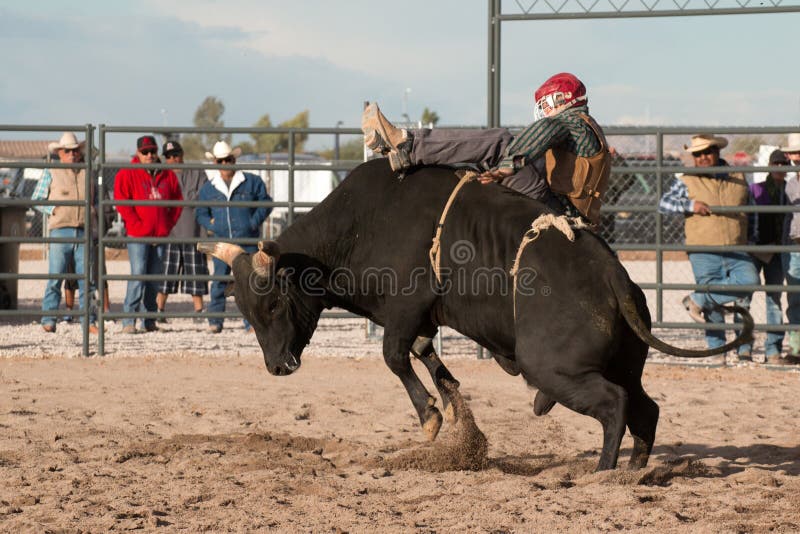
pixel 676 200
pixel 42 192
pixel 566 129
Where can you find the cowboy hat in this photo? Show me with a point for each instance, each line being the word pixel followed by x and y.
pixel 68 140
pixel 703 141
pixel 222 150
pixel 793 143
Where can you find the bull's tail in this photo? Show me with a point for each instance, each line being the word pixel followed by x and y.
pixel 621 285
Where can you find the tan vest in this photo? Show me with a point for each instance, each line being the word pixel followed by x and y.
pixel 723 228
pixel 67 185
pixel 583 180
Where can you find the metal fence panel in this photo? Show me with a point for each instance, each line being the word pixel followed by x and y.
pixel 649 244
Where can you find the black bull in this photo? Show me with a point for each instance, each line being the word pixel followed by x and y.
pixel 578 328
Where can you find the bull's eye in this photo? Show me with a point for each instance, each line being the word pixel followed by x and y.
pixel 272 306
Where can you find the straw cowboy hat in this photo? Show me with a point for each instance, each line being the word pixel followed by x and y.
pixel 793 143
pixel 68 140
pixel 222 150
pixel 701 142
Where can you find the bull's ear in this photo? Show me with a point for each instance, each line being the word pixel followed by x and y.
pixel 265 260
pixel 230 289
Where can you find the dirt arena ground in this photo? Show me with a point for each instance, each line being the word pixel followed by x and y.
pixel 179 430
pixel 194 443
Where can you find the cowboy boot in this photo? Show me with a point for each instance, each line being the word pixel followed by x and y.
pixel 384 134
pixel 375 142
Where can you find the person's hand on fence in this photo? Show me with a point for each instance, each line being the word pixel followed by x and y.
pixel 701 208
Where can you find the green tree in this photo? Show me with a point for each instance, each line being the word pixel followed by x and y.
pixel 279 142
pixel 263 143
pixel 429 117
pixel 208 115
pixel 247 147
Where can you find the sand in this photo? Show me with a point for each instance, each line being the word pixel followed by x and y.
pixel 196 443
pixel 181 430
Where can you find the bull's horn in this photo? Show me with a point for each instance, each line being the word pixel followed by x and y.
pixel 266 258
pixel 222 251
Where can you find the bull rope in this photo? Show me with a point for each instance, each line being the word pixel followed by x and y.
pixel 562 223
pixel 435 253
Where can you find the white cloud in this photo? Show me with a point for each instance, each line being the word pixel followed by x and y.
pixel 130 60
pixel 396 42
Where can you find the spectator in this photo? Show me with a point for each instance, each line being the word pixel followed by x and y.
pixel 771 192
pixel 64 222
pixel 792 150
pixel 71 286
pixel 145 221
pixel 184 257
pixel 792 259
pixel 561 159
pixel 692 195
pixel 229 222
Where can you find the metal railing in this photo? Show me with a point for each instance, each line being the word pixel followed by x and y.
pixel 88 132
pixel 291 166
pixel 659 247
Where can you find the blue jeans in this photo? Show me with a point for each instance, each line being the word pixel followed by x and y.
pixel 791 266
pixel 140 296
pixel 728 268
pixel 217 296
pixel 773 275
pixel 59 256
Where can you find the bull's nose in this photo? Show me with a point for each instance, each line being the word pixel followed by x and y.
pixel 279 371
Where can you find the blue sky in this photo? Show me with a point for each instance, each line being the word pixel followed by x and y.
pixel 122 63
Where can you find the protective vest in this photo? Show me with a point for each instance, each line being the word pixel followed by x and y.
pixel 67 185
pixel 722 228
pixel 583 180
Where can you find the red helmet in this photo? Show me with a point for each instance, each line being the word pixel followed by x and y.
pixel 562 89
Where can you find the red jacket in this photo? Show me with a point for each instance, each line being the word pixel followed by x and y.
pixel 139 184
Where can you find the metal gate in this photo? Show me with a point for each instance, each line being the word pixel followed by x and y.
pixel 631 222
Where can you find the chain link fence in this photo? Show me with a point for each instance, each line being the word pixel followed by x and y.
pixel 20 183
pixel 633 186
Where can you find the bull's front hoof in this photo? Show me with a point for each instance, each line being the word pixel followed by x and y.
pixel 433 422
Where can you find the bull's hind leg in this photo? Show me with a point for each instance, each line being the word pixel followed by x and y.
pixel 424 352
pixel 396 354
pixel 626 370
pixel 642 422
pixel 642 413
pixel 589 394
